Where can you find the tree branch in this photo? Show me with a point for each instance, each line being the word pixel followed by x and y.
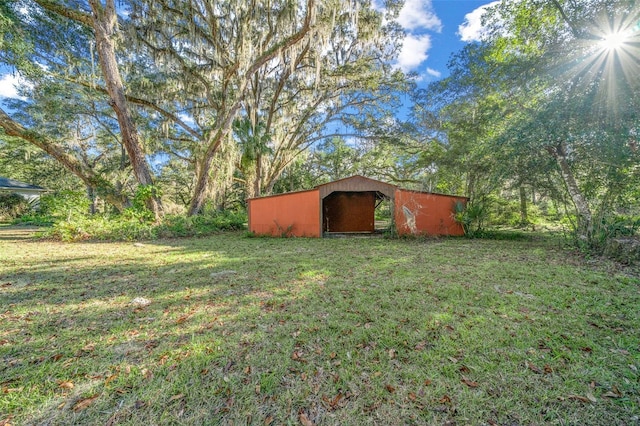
pixel 75 15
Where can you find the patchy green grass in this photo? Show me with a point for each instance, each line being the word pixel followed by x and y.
pixel 307 331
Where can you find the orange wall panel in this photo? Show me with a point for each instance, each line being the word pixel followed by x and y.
pixel 419 213
pixel 295 214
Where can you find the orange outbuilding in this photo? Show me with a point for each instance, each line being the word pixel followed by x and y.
pixel 348 206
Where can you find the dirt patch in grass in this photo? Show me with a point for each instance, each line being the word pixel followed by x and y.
pixel 235 330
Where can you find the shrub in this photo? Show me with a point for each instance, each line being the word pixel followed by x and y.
pixel 184 226
pixel 64 204
pixel 130 227
pixel 471 216
pixel 12 206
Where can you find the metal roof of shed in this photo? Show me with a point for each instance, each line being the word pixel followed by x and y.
pixel 356 183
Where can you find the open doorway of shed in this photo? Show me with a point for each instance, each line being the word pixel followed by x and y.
pixel 345 212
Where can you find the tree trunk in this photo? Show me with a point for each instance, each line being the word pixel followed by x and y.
pixel 91 195
pixel 204 167
pixel 202 181
pixel 104 21
pixel 258 177
pixel 585 220
pixel 524 219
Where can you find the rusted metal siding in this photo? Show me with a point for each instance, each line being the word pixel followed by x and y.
pixel 349 212
pixel 295 214
pixel 357 184
pixel 351 209
pixel 421 213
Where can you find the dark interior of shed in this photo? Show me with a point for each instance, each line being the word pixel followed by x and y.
pixel 355 212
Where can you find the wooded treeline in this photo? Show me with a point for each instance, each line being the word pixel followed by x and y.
pixel 191 104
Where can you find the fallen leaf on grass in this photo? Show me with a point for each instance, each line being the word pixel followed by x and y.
pixel 446 399
pixel 90 347
pixel 469 382
pixel 421 346
pixel 533 368
pixel 548 369
pixel 113 419
pixel 588 398
pixel 110 379
pixel 65 385
pixel 84 403
pixel 332 404
pixel 297 356
pixel 412 396
pixel 183 318
pixel 175 397
pixel 305 420
pixel 427 382
pixel 268 420
pixel 390 388
pixel 613 393
pixel 6 422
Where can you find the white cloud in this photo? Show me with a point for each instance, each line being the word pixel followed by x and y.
pixel 434 73
pixel 472 29
pixel 414 51
pixel 419 14
pixel 416 17
pixel 8 85
pixel 378 5
pixel 187 119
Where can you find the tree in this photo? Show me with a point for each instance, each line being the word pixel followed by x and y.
pixel 57 51
pixel 254 144
pixel 289 65
pixel 585 90
pixel 543 86
pixel 103 22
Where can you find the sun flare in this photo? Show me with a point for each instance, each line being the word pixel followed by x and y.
pixel 614 41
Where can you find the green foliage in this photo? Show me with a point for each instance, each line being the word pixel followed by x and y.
pixel 472 216
pixel 129 227
pixel 139 209
pixel 204 224
pixel 614 227
pixel 12 206
pixel 120 228
pixel 65 204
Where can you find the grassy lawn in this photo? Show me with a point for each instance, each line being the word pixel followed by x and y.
pixel 236 330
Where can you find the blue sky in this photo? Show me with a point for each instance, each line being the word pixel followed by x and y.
pixel 435 29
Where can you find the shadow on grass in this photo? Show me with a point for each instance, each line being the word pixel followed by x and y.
pixel 250 331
